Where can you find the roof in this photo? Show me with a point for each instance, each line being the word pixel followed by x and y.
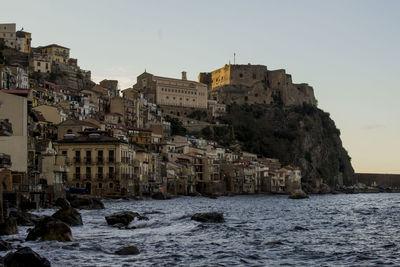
pixel 77 122
pixel 175 79
pixel 51 45
pixel 19 92
pixel 87 139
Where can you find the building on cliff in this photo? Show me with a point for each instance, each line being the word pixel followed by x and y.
pixel 172 92
pixel 255 84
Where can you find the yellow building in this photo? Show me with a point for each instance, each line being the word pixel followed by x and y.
pixel 56 52
pixel 102 164
pixel 24 40
pixel 141 137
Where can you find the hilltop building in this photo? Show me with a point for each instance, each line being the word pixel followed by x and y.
pixel 255 84
pixel 165 91
pixel 8 34
pixel 56 52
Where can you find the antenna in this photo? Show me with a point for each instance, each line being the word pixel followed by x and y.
pixel 234 58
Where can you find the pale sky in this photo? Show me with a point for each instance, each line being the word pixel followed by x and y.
pixel 347 50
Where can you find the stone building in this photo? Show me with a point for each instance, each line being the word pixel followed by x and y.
pixel 8 34
pixel 40 63
pixel 101 164
pixel 56 52
pixel 24 40
pixel 172 92
pixel 255 84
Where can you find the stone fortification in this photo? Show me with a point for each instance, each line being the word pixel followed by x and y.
pixel 255 84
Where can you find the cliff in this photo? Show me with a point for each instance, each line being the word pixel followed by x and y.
pixel 301 135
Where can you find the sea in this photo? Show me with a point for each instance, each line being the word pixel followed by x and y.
pixel 259 230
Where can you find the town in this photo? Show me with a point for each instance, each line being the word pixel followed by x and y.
pixel 62 133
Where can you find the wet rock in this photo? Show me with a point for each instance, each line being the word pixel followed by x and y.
pixel 299 228
pixel 213 217
pixel 25 218
pixel 50 228
pixel 159 196
pixel 25 257
pixel 9 227
pixel 4 245
pixel 325 189
pixel 63 203
pixel 274 243
pixel 130 250
pixel 298 194
pixel 87 203
pixel 70 216
pixel 124 218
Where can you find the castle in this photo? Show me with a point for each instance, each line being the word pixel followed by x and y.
pixel 255 84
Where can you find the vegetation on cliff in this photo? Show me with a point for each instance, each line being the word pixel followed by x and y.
pixel 302 135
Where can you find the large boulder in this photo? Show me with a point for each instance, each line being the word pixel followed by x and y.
pixel 209 217
pixel 159 196
pixel 4 245
pixel 124 218
pixel 9 227
pixel 25 218
pixel 325 189
pixel 62 203
pixel 130 250
pixel 70 216
pixel 25 257
pixel 298 194
pixel 50 228
pixel 87 203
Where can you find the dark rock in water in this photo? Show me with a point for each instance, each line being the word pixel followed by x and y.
pixel 124 217
pixel 213 217
pixel 4 245
pixel 87 203
pixel 274 243
pixel 159 196
pixel 299 228
pixel 25 218
pixel 325 189
pixel 70 216
pixel 50 228
pixel 25 257
pixel 298 194
pixel 9 227
pixel 63 203
pixel 130 250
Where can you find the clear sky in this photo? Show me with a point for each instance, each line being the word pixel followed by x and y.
pixel 349 51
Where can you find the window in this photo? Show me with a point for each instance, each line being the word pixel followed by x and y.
pixel 64 152
pixel 100 185
pixel 241 75
pixel 254 76
pixel 111 185
pixel 38 64
pixel 167 97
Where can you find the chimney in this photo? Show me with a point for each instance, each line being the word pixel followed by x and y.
pixel 184 75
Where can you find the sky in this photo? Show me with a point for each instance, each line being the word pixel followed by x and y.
pixel 347 50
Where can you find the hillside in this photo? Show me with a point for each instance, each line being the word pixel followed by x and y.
pixel 301 135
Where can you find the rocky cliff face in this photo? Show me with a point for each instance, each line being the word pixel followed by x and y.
pixel 302 135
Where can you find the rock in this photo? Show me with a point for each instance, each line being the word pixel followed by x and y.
pixel 299 228
pixel 159 196
pixel 325 189
pixel 63 203
pixel 25 218
pixel 4 245
pixel 70 216
pixel 124 217
pixel 130 250
pixel 25 257
pixel 213 217
pixel 9 227
pixel 87 203
pixel 50 228
pixel 298 194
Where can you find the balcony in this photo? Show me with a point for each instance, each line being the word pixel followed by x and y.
pixel 100 160
pixel 111 175
pixel 88 160
pixel 77 160
pixel 99 176
pixel 77 176
pixel 88 176
pixel 111 160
